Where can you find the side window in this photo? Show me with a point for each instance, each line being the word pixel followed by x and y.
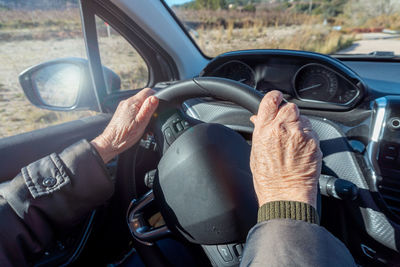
pixel 32 32
pixel 120 56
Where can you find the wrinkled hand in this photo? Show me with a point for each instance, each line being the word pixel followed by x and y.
pixel 285 156
pixel 127 125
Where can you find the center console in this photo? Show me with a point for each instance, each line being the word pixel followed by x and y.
pixel 384 150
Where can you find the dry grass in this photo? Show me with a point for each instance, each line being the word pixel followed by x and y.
pixel 118 55
pixel 239 19
pixel 226 30
pixel 22 19
pixel 385 21
pixel 306 37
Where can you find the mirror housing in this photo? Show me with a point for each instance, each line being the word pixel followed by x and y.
pixel 64 84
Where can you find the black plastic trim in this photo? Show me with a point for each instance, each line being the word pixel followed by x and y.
pixel 307 57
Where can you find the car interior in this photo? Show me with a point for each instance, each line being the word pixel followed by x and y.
pixel 184 194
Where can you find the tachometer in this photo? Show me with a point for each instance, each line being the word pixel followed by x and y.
pixel 238 71
pixel 315 82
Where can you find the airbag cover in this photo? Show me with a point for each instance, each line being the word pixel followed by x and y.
pixel 204 186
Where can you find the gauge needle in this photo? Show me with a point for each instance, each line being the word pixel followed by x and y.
pixel 310 87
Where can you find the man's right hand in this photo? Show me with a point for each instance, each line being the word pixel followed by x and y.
pixel 127 124
pixel 285 156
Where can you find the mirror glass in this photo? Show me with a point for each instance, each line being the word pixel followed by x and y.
pixel 58 84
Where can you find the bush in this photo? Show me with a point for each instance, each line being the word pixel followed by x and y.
pixel 249 8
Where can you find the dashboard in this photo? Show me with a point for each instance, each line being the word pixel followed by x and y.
pixel 354 106
pixel 308 79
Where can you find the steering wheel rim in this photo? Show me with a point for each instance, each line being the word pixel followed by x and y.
pixel 221 88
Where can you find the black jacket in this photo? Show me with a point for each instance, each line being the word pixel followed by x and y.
pixel 55 192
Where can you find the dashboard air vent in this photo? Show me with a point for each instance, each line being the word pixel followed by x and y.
pixel 390 191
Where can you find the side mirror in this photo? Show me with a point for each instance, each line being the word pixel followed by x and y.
pixel 64 84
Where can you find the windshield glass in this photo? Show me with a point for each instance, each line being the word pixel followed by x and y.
pixel 325 26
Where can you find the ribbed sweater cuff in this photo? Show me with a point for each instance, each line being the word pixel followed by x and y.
pixel 288 210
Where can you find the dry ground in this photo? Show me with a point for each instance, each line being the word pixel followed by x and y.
pixel 373 42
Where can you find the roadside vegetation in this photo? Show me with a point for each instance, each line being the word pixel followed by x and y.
pixel 325 26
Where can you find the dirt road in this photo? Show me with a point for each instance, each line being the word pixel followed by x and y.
pixel 374 42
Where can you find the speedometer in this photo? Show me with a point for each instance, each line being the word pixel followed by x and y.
pixel 238 71
pixel 315 82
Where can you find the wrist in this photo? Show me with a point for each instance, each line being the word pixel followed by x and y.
pixel 104 148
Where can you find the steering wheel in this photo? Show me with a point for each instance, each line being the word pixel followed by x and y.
pixel 203 185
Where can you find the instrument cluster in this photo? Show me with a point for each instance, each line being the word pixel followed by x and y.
pixel 316 82
pixel 310 82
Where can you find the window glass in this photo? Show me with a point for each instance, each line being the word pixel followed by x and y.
pixel 325 26
pixel 120 56
pixel 32 32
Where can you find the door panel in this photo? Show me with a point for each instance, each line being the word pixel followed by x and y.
pixel 20 150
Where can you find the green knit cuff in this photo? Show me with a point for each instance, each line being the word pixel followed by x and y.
pixel 288 210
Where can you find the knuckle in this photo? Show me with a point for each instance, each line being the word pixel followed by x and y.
pixel 122 103
pixel 280 126
pixel 297 134
pixel 135 108
pixel 314 144
pixel 291 107
pixel 269 103
pixel 125 104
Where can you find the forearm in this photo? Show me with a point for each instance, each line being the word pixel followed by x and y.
pixel 54 192
pixel 286 242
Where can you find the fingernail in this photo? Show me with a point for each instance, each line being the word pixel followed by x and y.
pixel 153 100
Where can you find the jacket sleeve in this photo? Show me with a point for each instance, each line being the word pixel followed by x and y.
pixel 288 242
pixel 52 193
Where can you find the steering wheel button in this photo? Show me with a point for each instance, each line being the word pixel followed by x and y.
pixel 185 124
pixel 225 253
pixel 169 136
pixel 179 127
pixel 238 250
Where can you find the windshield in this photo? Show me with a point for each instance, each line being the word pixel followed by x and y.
pixel 325 26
